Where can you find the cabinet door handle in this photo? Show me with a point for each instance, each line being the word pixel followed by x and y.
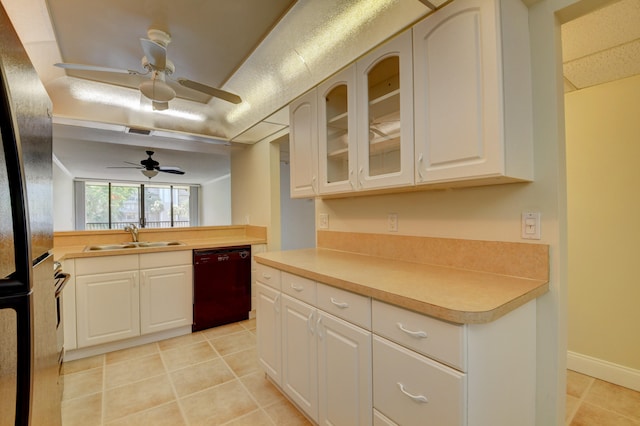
pixel 320 335
pixel 417 334
pixel 360 173
pixel 276 303
pixel 420 160
pixel 310 323
pixel 351 179
pixel 314 185
pixel 418 398
pixel 341 305
pixel 297 287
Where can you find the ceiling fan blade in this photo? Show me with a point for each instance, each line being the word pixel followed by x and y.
pixel 155 52
pixel 212 91
pixel 170 169
pixel 83 67
pixel 124 167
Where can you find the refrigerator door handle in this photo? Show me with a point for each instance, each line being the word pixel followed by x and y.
pixel 18 195
pixel 21 304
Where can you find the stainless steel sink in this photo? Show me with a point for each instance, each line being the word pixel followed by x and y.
pixel 133 245
pixel 158 243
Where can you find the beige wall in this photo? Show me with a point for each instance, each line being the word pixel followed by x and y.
pixel 603 183
pixel 255 188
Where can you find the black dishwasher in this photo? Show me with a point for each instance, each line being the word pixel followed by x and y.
pixel 221 286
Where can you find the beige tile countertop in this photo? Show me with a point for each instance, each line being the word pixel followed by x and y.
pixel 449 293
pixel 72 244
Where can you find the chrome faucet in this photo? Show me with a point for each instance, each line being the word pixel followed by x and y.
pixel 133 230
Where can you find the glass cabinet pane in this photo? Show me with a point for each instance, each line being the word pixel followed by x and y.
pixel 384 117
pixel 337 128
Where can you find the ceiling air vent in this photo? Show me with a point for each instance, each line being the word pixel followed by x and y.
pixel 138 131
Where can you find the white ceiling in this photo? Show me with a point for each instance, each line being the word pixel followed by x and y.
pixel 602 46
pixel 268 52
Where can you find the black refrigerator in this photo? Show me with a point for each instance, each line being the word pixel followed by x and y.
pixel 30 393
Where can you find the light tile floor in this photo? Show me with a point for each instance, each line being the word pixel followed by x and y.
pixel 212 378
pixel 206 378
pixel 593 402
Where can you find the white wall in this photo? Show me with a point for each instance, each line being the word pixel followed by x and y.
pixel 63 199
pixel 215 202
pixel 603 178
pixel 297 216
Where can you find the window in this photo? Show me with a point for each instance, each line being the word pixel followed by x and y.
pixel 109 205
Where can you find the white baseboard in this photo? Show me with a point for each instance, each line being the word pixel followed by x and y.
pixel 604 370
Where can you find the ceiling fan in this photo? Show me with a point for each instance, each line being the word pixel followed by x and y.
pixel 151 167
pixel 155 62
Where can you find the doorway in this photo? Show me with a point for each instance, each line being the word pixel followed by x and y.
pixel 602 103
pixel 297 216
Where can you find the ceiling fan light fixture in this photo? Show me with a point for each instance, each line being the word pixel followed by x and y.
pixel 157 90
pixel 149 173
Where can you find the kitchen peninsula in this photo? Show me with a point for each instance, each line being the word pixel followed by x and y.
pixel 381 329
pixel 124 293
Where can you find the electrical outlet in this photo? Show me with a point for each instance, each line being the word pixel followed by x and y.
pixel 531 225
pixel 393 222
pixel 323 221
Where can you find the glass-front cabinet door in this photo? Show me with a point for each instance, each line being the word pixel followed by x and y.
pixel 337 132
pixel 385 115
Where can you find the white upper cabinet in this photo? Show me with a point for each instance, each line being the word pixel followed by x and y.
pixel 472 90
pixel 337 142
pixel 385 115
pixel 303 145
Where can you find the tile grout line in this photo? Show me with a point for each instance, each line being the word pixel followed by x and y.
pixel 260 407
pixel 173 388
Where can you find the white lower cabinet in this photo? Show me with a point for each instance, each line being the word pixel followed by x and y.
pixel 325 364
pixel 108 307
pixel 120 297
pixel 371 363
pixel 300 354
pixel 415 390
pixel 344 372
pixel 493 382
pixel 268 322
pixel 165 303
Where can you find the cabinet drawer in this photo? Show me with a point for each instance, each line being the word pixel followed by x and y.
pixel 301 288
pixel 411 389
pixel 105 264
pixel 437 339
pixel 268 275
pixel 166 258
pixel 346 305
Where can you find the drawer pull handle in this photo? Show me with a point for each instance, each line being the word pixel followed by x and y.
pixel 297 287
pixel 341 305
pixel 417 334
pixel 266 276
pixel 417 398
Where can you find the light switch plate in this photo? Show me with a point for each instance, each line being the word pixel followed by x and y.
pixel 531 225
pixel 393 222
pixel 323 221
